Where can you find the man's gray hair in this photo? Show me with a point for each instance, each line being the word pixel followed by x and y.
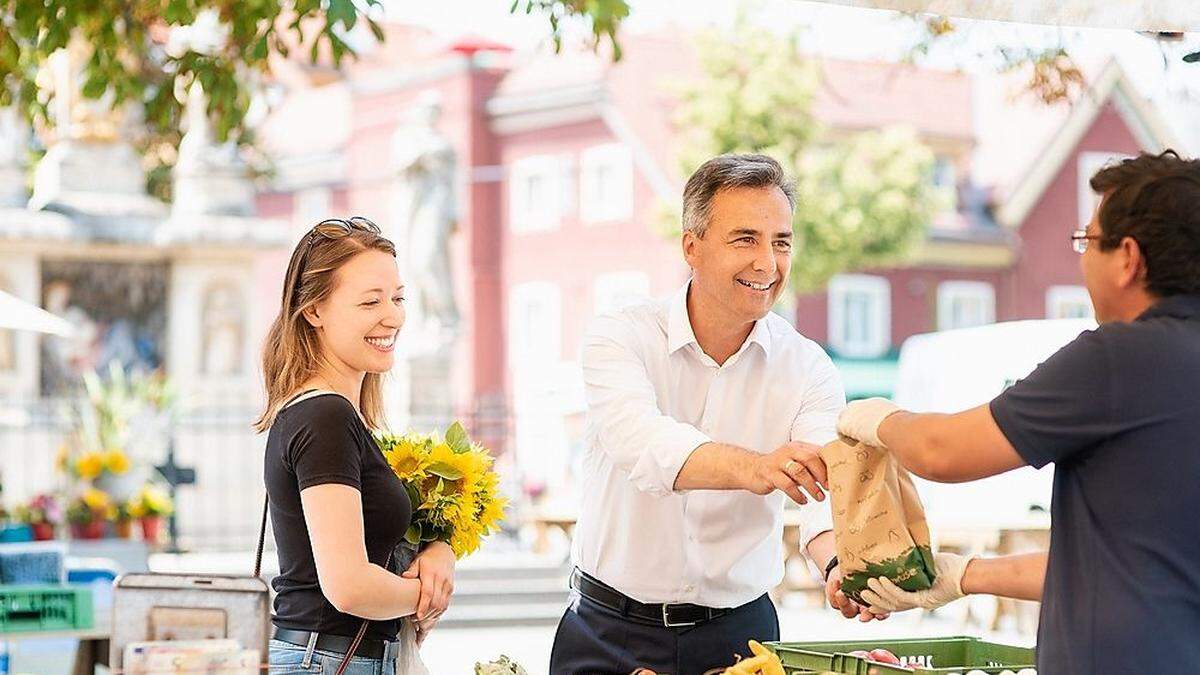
pixel 729 171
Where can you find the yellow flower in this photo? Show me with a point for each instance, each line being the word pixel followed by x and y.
pixel 89 465
pixel 96 500
pixel 116 461
pixel 135 508
pixel 157 501
pixel 408 457
pixel 457 498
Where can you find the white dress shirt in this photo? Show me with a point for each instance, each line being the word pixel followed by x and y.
pixel 653 397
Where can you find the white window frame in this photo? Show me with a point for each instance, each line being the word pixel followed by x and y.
pixel 1088 164
pixel 1058 297
pixel 944 167
pixel 597 205
pixel 546 214
pixel 950 291
pixel 615 290
pixel 525 353
pixel 880 327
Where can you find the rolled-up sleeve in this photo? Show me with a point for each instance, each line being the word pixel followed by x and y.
pixel 624 419
pixel 816 423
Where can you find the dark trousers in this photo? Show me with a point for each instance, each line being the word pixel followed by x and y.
pixel 595 640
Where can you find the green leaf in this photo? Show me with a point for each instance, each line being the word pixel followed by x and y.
pixel 413 534
pixel 456 438
pixel 260 49
pixel 444 470
pixel 95 86
pixel 414 496
pixel 342 11
pixel 376 30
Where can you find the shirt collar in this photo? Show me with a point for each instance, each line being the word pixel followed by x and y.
pixel 1175 306
pixel 680 333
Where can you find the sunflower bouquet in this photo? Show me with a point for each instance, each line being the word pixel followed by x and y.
pixel 450 481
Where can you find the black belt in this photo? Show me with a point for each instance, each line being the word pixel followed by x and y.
pixel 371 649
pixel 669 615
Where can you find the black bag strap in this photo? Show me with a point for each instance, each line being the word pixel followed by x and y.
pixel 258 554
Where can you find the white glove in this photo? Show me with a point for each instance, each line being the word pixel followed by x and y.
pixel 861 419
pixel 884 596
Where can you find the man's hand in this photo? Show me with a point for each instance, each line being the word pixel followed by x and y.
pixel 838 600
pixel 861 419
pixel 792 466
pixel 434 567
pixel 885 596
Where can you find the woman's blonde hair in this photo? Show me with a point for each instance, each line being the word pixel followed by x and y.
pixel 292 351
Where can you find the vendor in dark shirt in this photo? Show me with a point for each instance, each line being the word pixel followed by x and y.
pixel 1118 413
pixel 337 508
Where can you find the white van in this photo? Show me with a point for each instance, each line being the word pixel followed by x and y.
pixel 951 371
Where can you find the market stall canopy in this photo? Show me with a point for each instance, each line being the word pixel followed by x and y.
pixel 16 314
pixel 1147 15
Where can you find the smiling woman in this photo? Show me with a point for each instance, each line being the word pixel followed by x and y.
pixel 338 510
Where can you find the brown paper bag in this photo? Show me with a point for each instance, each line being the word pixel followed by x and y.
pixel 878 520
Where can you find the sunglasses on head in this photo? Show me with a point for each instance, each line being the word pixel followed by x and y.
pixel 336 228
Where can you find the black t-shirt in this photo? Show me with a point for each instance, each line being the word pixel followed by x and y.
pixel 1118 412
pixel 315 441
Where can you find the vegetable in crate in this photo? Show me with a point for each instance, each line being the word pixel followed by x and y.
pixel 502 666
pixel 878 520
pixel 764 662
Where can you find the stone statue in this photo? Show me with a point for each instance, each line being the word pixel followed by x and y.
pixel 425 167
pixel 221 320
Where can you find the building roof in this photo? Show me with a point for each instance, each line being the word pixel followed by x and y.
pixel 1023 142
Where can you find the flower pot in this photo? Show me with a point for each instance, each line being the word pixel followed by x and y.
pixel 43 531
pixel 151 528
pixel 92 530
pixel 124 529
pixel 15 533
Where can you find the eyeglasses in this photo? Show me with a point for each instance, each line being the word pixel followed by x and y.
pixel 336 228
pixel 1080 239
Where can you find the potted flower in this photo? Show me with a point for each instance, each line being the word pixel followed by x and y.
pixel 123 523
pixel 110 471
pixel 42 513
pixel 120 478
pixel 150 506
pixel 89 512
pixel 12 527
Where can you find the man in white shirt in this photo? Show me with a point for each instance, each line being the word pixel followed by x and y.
pixel 705 413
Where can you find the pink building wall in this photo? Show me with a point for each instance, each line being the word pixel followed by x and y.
pixel 1045 257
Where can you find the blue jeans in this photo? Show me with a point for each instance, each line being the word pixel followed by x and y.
pixel 288 659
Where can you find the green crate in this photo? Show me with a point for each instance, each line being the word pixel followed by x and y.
pixel 927 656
pixel 44 608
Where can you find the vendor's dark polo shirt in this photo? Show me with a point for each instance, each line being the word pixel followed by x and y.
pixel 1118 412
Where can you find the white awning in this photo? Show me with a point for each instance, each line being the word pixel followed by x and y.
pixel 16 314
pixel 1150 15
